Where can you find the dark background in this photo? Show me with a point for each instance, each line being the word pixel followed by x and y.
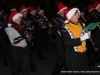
pixel 48 5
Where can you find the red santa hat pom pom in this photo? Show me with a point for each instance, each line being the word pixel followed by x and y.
pixel 68 13
pixel 23 8
pixel 61 7
pixel 31 9
pixel 40 11
pixel 13 17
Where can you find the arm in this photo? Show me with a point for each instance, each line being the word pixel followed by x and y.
pixel 67 41
pixel 12 36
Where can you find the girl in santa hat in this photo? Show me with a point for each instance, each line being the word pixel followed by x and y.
pixel 19 51
pixel 73 37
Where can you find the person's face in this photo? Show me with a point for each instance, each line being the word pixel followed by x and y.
pixel 83 15
pixel 25 13
pixel 33 13
pixel 62 13
pixel 18 20
pixel 75 17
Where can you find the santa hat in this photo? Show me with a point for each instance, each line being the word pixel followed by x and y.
pixel 13 16
pixel 23 8
pixel 61 7
pixel 68 13
pixel 90 8
pixel 40 11
pixel 13 9
pixel 31 9
pixel 96 4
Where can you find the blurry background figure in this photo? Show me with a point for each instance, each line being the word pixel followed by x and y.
pixel 57 24
pixel 44 26
pixel 27 24
pixel 92 18
pixel 82 19
pixel 3 39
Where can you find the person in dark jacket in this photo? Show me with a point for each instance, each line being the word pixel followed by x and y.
pixel 95 17
pixel 73 37
pixel 19 50
pixel 37 32
pixel 26 21
pixel 57 24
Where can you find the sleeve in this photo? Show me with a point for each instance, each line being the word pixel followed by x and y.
pixel 11 35
pixel 67 41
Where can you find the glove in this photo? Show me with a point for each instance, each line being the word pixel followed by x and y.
pixel 84 37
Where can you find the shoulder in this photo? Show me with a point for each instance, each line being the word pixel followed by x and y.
pixel 9 29
pixel 64 29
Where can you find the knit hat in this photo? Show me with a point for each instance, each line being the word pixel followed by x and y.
pixel 23 8
pixel 61 7
pixel 68 13
pixel 96 4
pixel 40 11
pixel 13 16
pixel 31 9
pixel 90 8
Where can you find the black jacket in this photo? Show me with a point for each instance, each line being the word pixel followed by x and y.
pixel 95 34
pixel 56 29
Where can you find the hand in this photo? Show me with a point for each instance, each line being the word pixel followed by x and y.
pixel 85 36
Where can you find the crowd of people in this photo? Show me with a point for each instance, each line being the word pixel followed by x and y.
pixel 29 29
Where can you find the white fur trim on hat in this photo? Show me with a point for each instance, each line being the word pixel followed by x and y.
pixel 61 10
pixel 41 11
pixel 23 10
pixel 97 6
pixel 16 16
pixel 91 9
pixel 32 11
pixel 71 13
pixel 13 9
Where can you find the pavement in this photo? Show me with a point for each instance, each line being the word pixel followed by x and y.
pixel 44 67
